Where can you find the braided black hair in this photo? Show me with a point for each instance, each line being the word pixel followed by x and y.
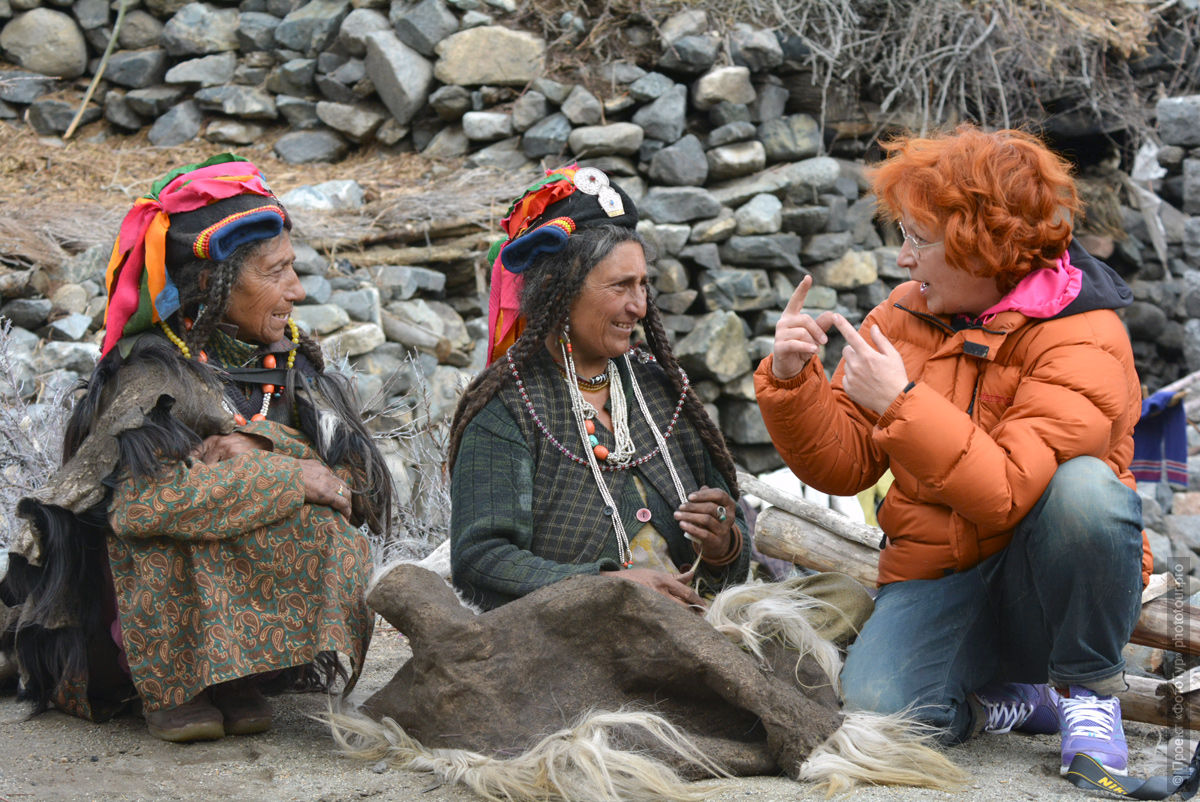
pixel 552 283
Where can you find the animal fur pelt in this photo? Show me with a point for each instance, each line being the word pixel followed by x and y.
pixel 475 702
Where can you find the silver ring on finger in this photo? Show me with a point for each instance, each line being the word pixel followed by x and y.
pixel 721 516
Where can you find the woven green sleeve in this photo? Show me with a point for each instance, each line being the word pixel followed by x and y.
pixel 491 518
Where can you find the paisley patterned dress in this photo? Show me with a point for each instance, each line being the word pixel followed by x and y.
pixel 222 571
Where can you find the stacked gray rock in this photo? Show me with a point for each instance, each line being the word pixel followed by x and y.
pixel 737 195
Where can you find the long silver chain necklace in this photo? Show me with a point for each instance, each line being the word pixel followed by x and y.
pixel 585 415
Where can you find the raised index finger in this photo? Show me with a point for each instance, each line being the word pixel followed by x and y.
pixel 852 337
pixel 796 302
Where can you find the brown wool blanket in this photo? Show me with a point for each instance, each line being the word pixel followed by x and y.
pixel 496 682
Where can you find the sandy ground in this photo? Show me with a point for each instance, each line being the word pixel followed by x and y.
pixel 56 757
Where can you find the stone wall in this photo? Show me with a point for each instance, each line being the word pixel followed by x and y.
pixel 740 190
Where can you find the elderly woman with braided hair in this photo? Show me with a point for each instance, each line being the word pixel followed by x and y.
pixel 573 453
pixel 203 532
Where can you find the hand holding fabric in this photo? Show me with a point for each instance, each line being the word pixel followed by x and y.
pixel 798 337
pixel 874 372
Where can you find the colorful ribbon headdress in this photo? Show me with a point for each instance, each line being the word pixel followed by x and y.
pixel 539 222
pixel 140 290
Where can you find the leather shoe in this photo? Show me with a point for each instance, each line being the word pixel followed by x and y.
pixel 196 720
pixel 243 707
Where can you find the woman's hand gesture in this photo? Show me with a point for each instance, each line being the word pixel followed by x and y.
pixel 798 336
pixel 322 486
pixel 707 518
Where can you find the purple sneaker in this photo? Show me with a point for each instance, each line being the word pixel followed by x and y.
pixel 1091 725
pixel 1021 707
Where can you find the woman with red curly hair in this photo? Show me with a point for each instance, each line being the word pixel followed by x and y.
pixel 998 386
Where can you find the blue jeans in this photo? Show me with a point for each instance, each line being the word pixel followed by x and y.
pixel 1057 605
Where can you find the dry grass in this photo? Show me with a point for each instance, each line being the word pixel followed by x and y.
pixel 924 63
pixel 57 199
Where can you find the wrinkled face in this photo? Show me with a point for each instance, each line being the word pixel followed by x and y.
pixel 612 301
pixel 947 289
pixel 262 298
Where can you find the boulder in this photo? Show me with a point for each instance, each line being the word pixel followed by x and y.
pixel 358 122
pixel 582 108
pixel 401 75
pixel 722 84
pixel 666 118
pixel 767 250
pixel 678 204
pixel 423 25
pixel 18 86
pixel 50 117
pixel 762 214
pixel 486 126
pixel 1179 120
pixel 357 24
pixel 853 269
pixel 489 55
pixel 754 48
pixel 304 147
pixel 256 31
pixel 247 102
pixel 234 132
pixel 605 140
pixel 212 70
pixel 45 41
pixel 739 159
pixel 198 28
pixel 690 55
pixel 312 27
pixel 737 289
pixel 680 164
pixel 791 138
pixel 180 124
pixel 716 348
pixel 137 69
pixel 140 29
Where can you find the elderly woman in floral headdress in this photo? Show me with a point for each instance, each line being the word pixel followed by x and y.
pixel 574 453
pixel 204 528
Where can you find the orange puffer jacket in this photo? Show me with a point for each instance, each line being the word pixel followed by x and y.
pixel 974 443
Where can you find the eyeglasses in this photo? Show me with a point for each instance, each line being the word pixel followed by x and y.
pixel 914 241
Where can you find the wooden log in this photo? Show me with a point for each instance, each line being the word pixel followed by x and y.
pixel 410 231
pixel 780 534
pixel 830 520
pixel 461 249
pixel 1153 701
pixel 1165 624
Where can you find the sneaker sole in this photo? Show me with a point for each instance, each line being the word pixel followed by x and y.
pixel 1062 771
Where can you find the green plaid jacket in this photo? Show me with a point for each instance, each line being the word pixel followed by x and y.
pixel 525 515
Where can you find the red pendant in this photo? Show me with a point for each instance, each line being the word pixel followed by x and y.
pixel 269 361
pixel 203 357
pixel 590 426
pixel 258 416
pixel 601 453
pixel 239 419
pixel 268 389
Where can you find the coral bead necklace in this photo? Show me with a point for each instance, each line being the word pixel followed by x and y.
pixel 268 362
